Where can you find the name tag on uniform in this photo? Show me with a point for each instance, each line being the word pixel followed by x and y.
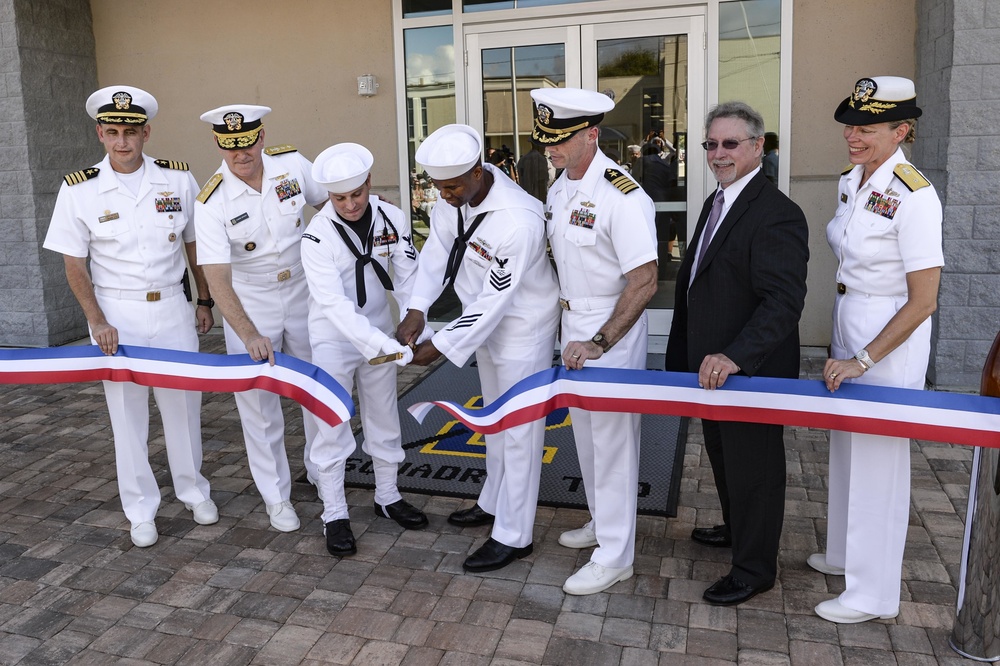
pixel 240 218
pixel 107 218
pixel 287 189
pixel 882 205
pixel 168 205
pixel 843 197
pixel 582 218
pixel 384 238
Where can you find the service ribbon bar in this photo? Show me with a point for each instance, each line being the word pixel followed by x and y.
pixel 929 415
pixel 290 377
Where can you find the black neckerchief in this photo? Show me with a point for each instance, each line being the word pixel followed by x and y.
pixel 458 247
pixel 363 258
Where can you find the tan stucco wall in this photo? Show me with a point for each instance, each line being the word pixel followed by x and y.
pixel 301 57
pixel 835 44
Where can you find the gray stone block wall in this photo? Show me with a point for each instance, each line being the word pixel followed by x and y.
pixel 958 87
pixel 48 68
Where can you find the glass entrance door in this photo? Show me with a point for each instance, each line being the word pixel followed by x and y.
pixel 645 65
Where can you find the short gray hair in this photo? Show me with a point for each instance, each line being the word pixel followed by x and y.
pixel 754 121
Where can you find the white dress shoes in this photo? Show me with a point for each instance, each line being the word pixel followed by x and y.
pixel 579 538
pixel 205 513
pixel 818 562
pixel 834 611
pixel 283 516
pixel 144 534
pixel 593 578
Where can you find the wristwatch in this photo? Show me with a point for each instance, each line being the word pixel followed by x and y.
pixel 601 341
pixel 864 359
pixel 207 302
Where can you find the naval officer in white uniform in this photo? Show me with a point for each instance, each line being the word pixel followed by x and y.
pixel 487 237
pixel 249 220
pixel 886 235
pixel 601 229
pixel 348 251
pixel 134 217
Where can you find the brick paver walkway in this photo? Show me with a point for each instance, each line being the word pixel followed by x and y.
pixel 73 589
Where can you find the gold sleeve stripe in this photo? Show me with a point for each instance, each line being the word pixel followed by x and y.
pixel 278 150
pixel 913 179
pixel 209 188
pixel 171 164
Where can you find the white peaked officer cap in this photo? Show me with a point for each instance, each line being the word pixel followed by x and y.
pixel 450 151
pixel 121 105
pixel 343 168
pixel 561 112
pixel 236 126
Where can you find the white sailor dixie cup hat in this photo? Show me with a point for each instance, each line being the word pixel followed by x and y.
pixel 561 112
pixel 343 168
pixel 879 99
pixel 236 126
pixel 121 105
pixel 450 151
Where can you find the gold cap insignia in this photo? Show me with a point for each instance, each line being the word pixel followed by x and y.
pixel 544 114
pixel 863 91
pixel 122 100
pixel 234 121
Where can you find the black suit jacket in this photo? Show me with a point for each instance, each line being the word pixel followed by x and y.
pixel 747 296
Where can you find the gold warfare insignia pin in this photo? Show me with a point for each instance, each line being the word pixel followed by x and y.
pixel 172 237
pixel 233 120
pixel 588 204
pixel 165 194
pixel 250 247
pixel 122 100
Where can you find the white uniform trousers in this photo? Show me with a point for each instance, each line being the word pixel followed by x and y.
pixel 280 310
pixel 607 443
pixel 379 424
pixel 168 323
pixel 869 497
pixel 513 456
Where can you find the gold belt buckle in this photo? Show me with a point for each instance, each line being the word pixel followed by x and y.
pixel 284 275
pixel 841 288
pixel 152 296
pixel 564 304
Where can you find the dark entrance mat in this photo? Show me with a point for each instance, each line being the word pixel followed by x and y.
pixel 443 457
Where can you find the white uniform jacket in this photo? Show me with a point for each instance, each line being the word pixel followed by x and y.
pixel 598 233
pixel 330 269
pixel 506 283
pixel 134 242
pixel 258 232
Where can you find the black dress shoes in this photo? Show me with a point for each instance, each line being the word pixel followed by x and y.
pixel 729 591
pixel 339 538
pixel 493 555
pixel 404 513
pixel 471 517
pixel 717 537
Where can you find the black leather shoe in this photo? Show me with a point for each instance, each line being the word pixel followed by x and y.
pixel 493 555
pixel 471 517
pixel 729 591
pixel 404 513
pixel 717 537
pixel 339 538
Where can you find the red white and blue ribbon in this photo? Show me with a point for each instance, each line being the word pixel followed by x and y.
pixel 929 415
pixel 290 377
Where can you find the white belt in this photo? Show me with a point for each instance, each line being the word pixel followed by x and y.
pixel 137 295
pixel 595 303
pixel 279 276
pixel 843 290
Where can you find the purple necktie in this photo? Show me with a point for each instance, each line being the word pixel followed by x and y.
pixel 713 220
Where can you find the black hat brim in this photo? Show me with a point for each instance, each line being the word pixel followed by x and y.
pixel 846 115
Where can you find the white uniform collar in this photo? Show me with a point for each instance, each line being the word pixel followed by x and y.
pixel 107 179
pixel 595 172
pixel 504 195
pixel 883 175
pixel 234 185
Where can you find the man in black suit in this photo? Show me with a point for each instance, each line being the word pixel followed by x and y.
pixel 740 291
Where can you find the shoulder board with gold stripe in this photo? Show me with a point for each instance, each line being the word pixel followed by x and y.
pixel 849 169
pixel 170 164
pixel 283 148
pixel 620 180
pixel 913 179
pixel 81 176
pixel 209 188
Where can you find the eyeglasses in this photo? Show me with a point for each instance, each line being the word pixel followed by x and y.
pixel 728 144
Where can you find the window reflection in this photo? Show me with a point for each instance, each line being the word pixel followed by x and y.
pixel 417 8
pixel 430 104
pixel 491 5
pixel 750 64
